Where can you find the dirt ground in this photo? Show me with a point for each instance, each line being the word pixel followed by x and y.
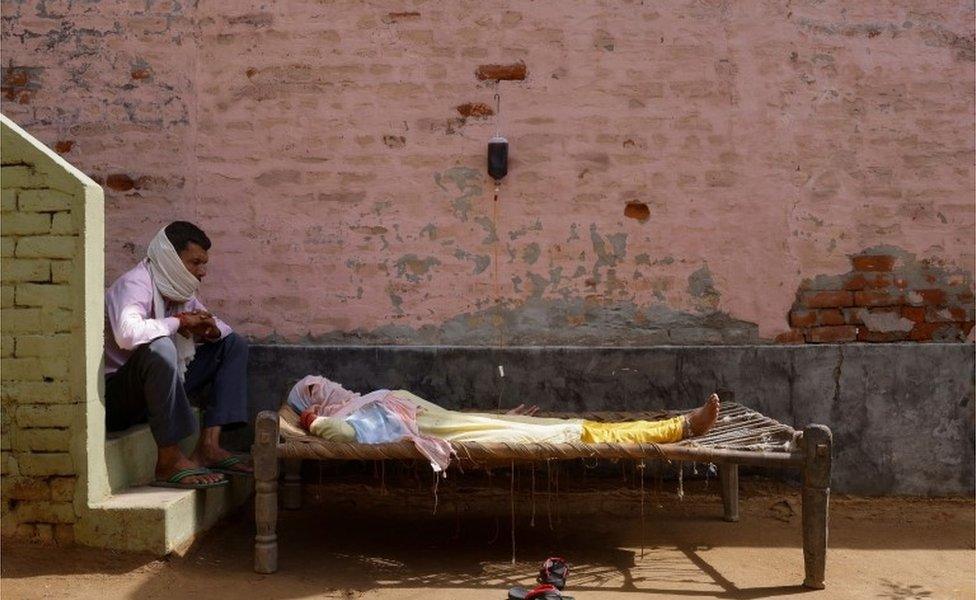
pixel 361 540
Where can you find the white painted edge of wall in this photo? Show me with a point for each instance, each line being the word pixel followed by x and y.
pixel 51 155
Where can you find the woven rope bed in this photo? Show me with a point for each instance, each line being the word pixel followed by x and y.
pixel 741 436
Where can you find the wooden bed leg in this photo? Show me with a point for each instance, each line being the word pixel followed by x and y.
pixel 291 494
pixel 729 476
pixel 265 453
pixel 817 441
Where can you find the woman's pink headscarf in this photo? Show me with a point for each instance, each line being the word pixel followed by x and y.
pixel 315 396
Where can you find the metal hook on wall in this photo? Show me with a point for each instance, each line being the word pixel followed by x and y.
pixel 498 114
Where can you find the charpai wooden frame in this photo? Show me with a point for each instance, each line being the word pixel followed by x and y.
pixel 741 437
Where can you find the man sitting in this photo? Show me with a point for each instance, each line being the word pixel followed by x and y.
pixel 162 344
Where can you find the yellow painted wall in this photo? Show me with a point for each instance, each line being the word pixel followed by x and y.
pixel 52 272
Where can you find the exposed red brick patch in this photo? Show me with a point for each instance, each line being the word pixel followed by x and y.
pixel 861 281
pixel 913 313
pixel 637 210
pixel 923 332
pixel 793 336
pixel 120 182
pixel 826 335
pixel 251 72
pixel 512 72
pixel 873 262
pixel 475 110
pixel 935 314
pixel 830 316
pixel 63 146
pixel 957 313
pixel 932 297
pixel 141 74
pixel 895 298
pixel 803 318
pixel 863 335
pixel 828 299
pixel 856 283
pixel 878 298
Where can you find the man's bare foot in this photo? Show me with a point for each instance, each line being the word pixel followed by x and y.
pixel 209 453
pixel 210 456
pixel 169 464
pixel 701 419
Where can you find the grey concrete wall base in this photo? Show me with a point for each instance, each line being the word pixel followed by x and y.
pixel 902 414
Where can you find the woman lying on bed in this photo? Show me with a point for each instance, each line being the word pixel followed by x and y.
pixel 332 412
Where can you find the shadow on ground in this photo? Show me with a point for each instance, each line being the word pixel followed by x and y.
pixel 355 539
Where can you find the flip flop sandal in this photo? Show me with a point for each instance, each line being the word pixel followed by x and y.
pixel 176 480
pixel 540 592
pixel 226 466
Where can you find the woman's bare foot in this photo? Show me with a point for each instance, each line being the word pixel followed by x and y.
pixel 701 419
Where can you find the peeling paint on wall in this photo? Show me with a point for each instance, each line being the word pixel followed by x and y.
pixel 343 151
pixel 701 286
pixel 466 181
pixel 413 267
pixel 561 322
pixel 608 256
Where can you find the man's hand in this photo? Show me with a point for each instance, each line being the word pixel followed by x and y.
pixel 524 410
pixel 192 322
pixel 198 322
pixel 210 331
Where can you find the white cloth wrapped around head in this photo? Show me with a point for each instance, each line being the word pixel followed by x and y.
pixel 171 281
pixel 170 275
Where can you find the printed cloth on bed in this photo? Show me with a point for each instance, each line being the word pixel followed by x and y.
pixel 378 417
pixel 331 412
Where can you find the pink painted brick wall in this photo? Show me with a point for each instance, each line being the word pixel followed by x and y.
pixel 322 148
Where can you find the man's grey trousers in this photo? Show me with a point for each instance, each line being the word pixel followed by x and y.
pixel 148 388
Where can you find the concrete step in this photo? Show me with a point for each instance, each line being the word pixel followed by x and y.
pixel 130 456
pixel 141 518
pixel 159 520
